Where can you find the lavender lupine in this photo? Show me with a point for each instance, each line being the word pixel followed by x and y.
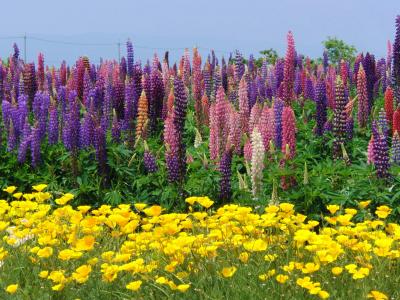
pixel 339 119
pixel 87 131
pixel 71 130
pixel 12 138
pixel 321 106
pixel 395 150
pixel 226 173
pixel 239 66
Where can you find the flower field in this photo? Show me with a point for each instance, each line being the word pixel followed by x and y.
pixel 300 156
pixel 50 250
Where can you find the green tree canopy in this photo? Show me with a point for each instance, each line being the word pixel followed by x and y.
pixel 337 50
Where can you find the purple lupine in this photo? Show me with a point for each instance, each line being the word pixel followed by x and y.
pixel 53 125
pixel 279 70
pixel 12 138
pixel 35 146
pixel 297 84
pixel 383 123
pixel 339 119
pixel 325 61
pixel 369 67
pixel 118 94
pixel 129 122
pixel 157 96
pixel 381 152
pixel 25 144
pixel 264 69
pixel 108 104
pixel 87 131
pixel 207 79
pixel 226 173
pixel 349 128
pixel 395 150
pixel 101 151
pixel 328 126
pixel 309 92
pixel 396 61
pixel 239 66
pixel 278 108
pixel 116 129
pixel 71 130
pixel 129 58
pixel 224 75
pixel 122 69
pixel 150 163
pixel 321 110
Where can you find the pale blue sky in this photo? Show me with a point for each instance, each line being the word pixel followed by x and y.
pixel 249 26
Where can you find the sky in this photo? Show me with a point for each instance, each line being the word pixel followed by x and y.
pixel 72 28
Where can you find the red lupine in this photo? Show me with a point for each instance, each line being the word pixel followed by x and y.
pixel 396 120
pixel 389 104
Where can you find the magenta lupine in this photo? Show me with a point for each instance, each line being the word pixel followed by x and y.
pixel 289 70
pixel 222 111
pixel 171 149
pixel 213 140
pixel 362 114
pixel 257 163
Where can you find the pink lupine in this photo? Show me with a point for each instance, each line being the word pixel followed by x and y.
pixel 267 126
pixel 235 132
pixel 362 115
pixel 370 153
pixel 214 141
pixel 288 132
pixel 244 109
pixel 254 116
pixel 257 163
pixel 247 151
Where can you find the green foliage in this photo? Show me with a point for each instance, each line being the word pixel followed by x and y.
pixel 337 50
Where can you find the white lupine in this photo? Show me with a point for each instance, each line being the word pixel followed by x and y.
pixel 257 162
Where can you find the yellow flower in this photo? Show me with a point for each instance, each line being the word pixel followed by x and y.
pixel 45 252
pixel 205 202
pixel 44 274
pixel 364 204
pixel 39 187
pixel 17 195
pixel 255 245
pixel 383 211
pixel 140 206
pixel 58 287
pixel 191 200
pixel 64 199
pixel 134 285
pixel 228 272
pixel 377 295
pixel 81 274
pixel 153 211
pixel 244 257
pixel 281 278
pixel 333 208
pixel 264 277
pixel 270 257
pixel 337 270
pixel 323 294
pixel 10 189
pixel 12 288
pixel 183 287
pixel 310 268
pixel 67 254
pixel 84 244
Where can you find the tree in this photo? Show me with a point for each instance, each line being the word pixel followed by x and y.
pixel 337 50
pixel 270 55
